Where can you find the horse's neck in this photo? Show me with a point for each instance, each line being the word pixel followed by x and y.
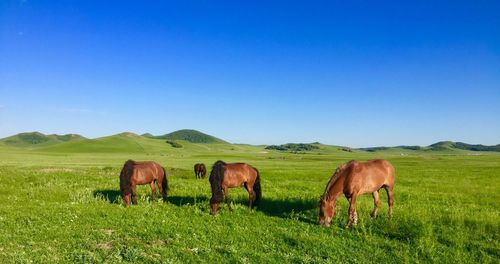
pixel 334 188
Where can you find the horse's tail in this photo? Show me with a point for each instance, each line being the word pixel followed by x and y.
pixel 164 183
pixel 257 189
pixel 126 176
pixel 216 178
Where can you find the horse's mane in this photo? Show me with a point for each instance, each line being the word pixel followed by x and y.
pixel 125 176
pixel 216 178
pixel 336 175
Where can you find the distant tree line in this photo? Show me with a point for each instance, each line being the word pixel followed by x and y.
pixel 293 147
pixel 174 144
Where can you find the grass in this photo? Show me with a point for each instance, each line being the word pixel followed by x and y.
pixel 61 204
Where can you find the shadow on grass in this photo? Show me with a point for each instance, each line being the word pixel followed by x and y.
pixel 112 196
pixel 187 200
pixel 300 209
pixel 291 208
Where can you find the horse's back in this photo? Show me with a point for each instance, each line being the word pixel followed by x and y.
pixel 236 174
pixel 369 176
pixel 146 171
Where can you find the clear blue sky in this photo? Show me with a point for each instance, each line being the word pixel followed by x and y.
pixel 356 73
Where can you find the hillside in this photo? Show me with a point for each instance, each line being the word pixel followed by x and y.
pixel 443 145
pixel 189 135
pixel 192 140
pixel 120 143
pixel 37 139
pixel 447 146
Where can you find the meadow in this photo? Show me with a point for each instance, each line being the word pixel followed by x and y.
pixel 61 204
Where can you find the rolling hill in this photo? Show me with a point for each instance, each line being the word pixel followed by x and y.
pixel 189 135
pixel 447 146
pixel 120 143
pixel 37 139
pixel 192 140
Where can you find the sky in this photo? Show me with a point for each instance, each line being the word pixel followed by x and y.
pixel 353 73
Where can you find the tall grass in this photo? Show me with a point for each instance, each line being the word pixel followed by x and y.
pixel 62 207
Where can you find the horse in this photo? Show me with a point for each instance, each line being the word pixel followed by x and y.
pixel 200 170
pixel 231 175
pixel 353 179
pixel 140 173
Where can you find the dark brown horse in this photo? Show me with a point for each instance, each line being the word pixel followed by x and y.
pixel 139 173
pixel 200 170
pixel 230 175
pixel 353 179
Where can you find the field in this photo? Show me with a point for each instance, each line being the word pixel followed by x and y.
pixel 61 203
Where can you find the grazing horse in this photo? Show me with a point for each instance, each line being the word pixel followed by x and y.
pixel 353 179
pixel 230 175
pixel 200 170
pixel 139 173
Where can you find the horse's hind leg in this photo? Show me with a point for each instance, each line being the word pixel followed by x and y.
pixel 153 189
pixel 159 183
pixel 376 202
pixel 390 199
pixel 251 195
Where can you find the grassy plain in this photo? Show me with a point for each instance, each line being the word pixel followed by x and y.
pixel 60 203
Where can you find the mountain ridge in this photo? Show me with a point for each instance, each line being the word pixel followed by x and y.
pixel 39 140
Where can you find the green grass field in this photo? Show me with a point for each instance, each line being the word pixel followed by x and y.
pixel 60 203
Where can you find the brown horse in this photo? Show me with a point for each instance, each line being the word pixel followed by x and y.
pixel 353 179
pixel 139 173
pixel 230 175
pixel 200 170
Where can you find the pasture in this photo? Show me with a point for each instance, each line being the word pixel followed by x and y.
pixel 59 205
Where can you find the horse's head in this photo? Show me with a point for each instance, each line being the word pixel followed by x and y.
pixel 326 211
pixel 214 207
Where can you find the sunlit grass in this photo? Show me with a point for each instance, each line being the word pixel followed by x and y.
pixel 60 207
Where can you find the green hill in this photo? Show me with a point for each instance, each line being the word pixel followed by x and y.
pixel 120 143
pixel 37 139
pixel 189 135
pixel 446 146
pixel 132 143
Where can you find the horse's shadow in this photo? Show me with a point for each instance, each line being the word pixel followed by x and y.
pixel 187 200
pixel 289 208
pixel 112 196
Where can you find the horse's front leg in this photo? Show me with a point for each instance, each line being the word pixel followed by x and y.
pixel 226 197
pixel 134 194
pixel 353 215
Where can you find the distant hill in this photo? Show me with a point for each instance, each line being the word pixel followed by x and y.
pixel 126 142
pixel 190 135
pixel 134 144
pixel 32 139
pixel 444 145
pixel 440 146
pixel 131 142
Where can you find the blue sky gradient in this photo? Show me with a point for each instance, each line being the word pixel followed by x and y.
pixel 356 73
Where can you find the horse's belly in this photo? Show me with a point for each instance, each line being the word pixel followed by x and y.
pixel 143 178
pixel 233 181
